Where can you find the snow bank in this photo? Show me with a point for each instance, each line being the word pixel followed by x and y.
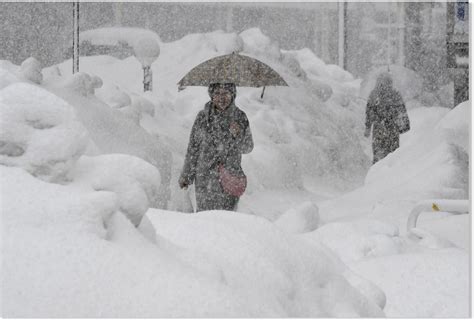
pixel 292 128
pixel 8 73
pixel 432 164
pixel 281 272
pixel 360 239
pixel 90 261
pixel 113 132
pixel 83 269
pixel 430 284
pixel 135 182
pixel 39 132
pixel 304 218
pixel 83 83
pixel 31 70
pixel 258 44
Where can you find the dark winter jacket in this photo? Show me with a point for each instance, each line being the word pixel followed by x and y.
pixel 387 113
pixel 211 143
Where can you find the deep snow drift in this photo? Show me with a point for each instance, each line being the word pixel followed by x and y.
pixel 85 157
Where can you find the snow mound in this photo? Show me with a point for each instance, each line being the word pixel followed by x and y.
pixel 431 164
pixel 113 96
pixel 135 182
pixel 456 126
pixel 8 73
pixel 142 104
pixel 304 218
pixel 83 83
pixel 282 273
pixel 429 284
pixel 90 260
pixel 31 70
pixel 39 132
pixel 360 239
pixel 115 133
pixel 258 44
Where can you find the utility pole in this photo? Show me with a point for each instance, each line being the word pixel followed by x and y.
pixel 401 34
pixel 75 37
pixel 118 13
pixel 389 35
pixel 342 31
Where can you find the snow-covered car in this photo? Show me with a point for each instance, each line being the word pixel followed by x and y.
pixel 112 41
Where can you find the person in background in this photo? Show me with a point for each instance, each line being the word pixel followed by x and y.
pixel 220 135
pixel 387 113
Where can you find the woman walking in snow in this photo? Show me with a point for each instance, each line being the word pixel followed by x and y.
pixel 219 137
pixel 387 112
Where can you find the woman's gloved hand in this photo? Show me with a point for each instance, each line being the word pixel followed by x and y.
pixel 234 129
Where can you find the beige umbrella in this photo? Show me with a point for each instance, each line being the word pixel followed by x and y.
pixel 241 70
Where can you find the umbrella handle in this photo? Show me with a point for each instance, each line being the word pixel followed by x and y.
pixel 263 91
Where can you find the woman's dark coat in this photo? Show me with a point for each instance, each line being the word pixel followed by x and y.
pixel 211 143
pixel 387 113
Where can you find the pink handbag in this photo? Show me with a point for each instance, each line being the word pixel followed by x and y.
pixel 231 184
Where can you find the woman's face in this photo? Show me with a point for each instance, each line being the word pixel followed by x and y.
pixel 221 98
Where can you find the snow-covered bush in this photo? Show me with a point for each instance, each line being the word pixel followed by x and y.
pixel 113 96
pixel 39 132
pixel 142 104
pixel 31 70
pixel 83 83
pixel 135 182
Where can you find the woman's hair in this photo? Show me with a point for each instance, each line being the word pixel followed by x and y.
pixel 227 86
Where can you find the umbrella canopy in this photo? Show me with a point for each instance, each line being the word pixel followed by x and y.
pixel 234 68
